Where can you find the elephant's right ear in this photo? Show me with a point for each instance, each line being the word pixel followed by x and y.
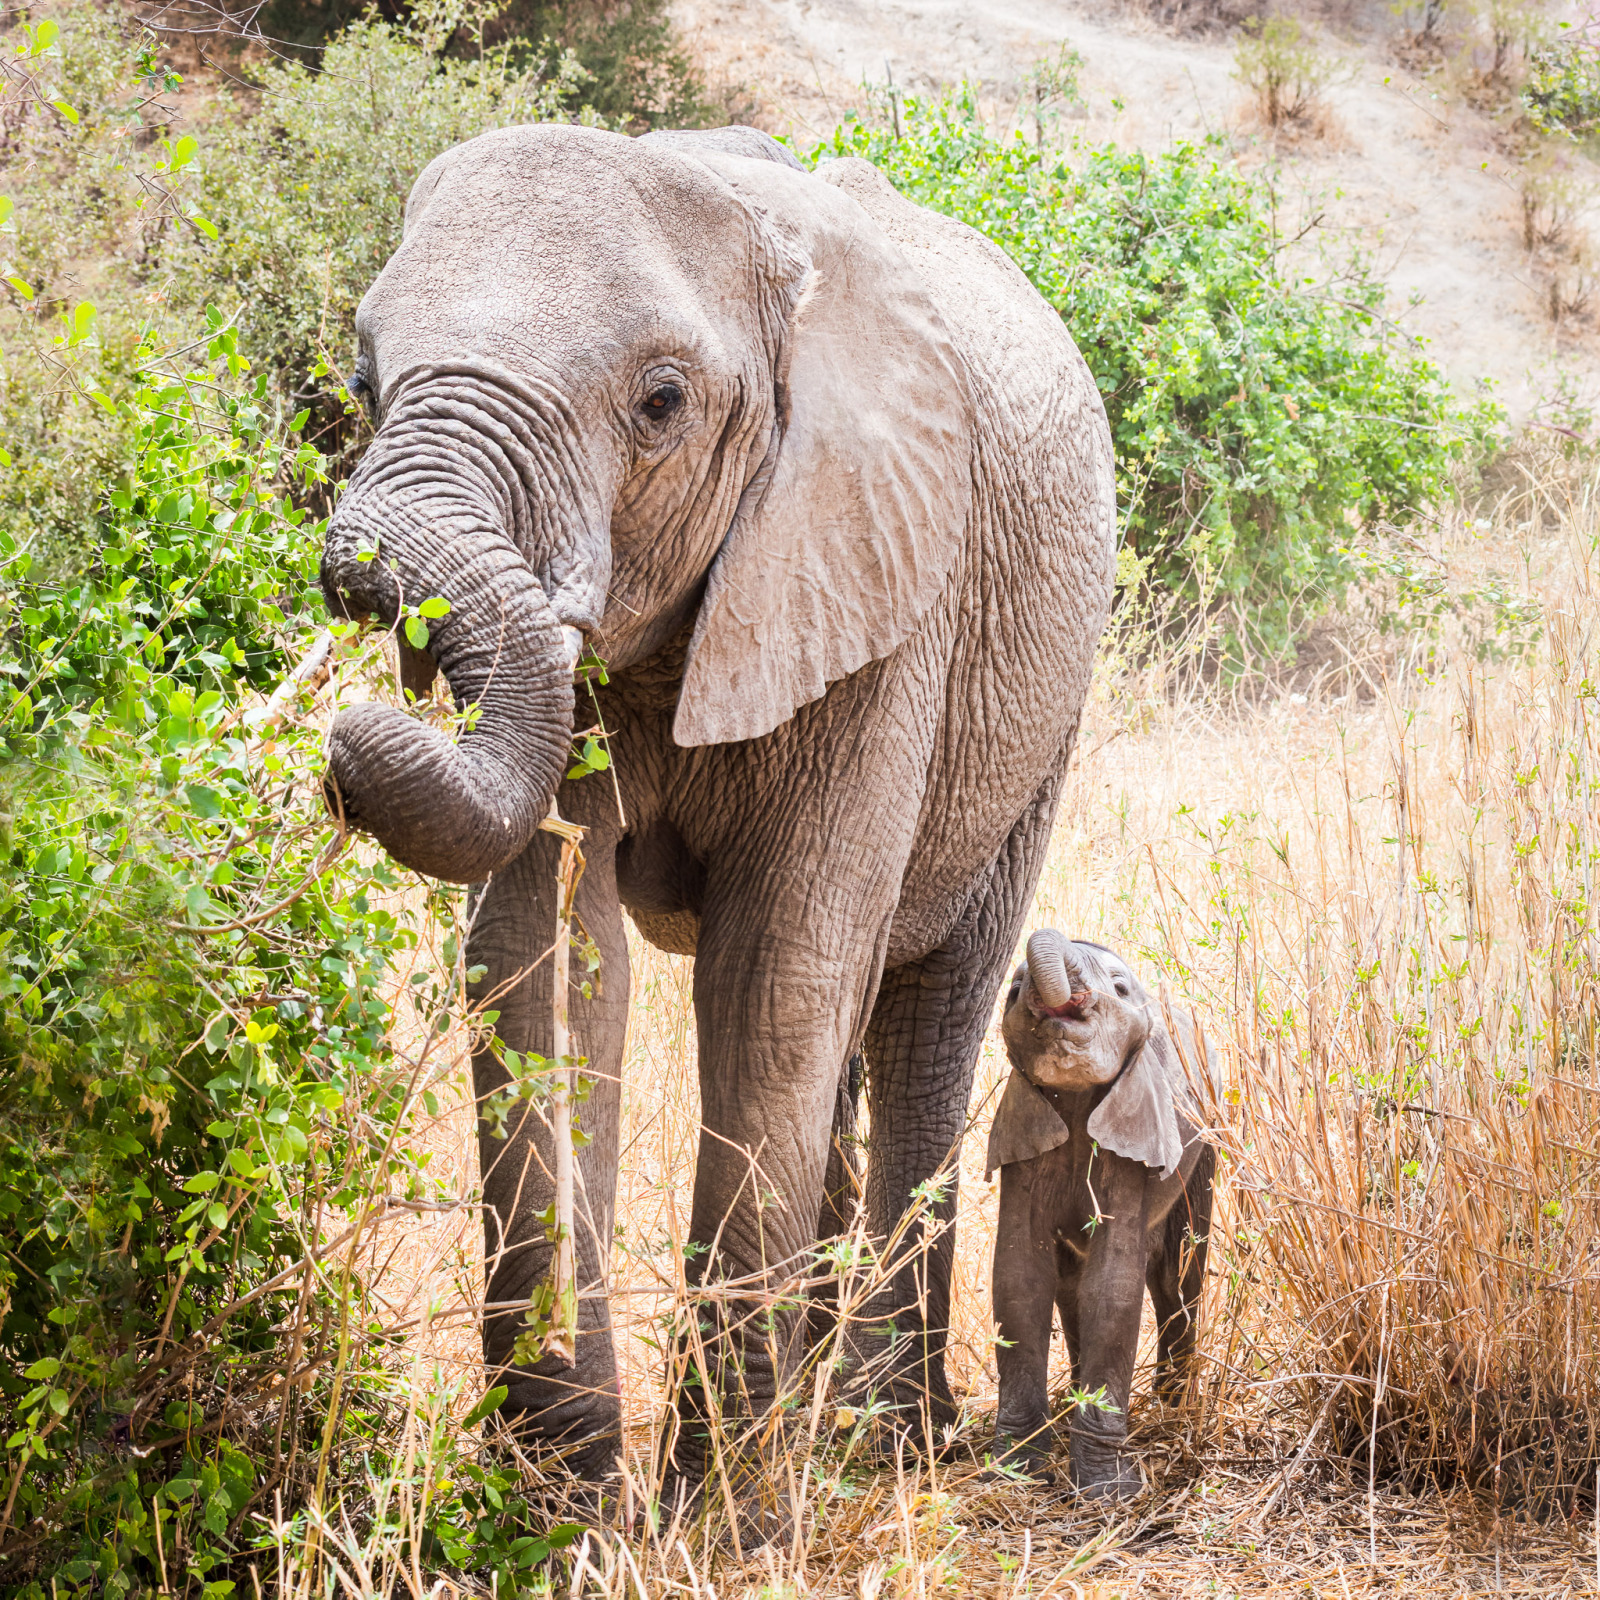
pixel 847 533
pixel 1025 1125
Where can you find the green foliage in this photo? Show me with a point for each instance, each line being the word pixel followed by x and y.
pixel 309 194
pixel 1281 66
pixel 202 1104
pixel 1255 416
pixel 639 73
pixel 1562 91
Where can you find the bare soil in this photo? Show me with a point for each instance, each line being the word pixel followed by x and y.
pixel 1398 166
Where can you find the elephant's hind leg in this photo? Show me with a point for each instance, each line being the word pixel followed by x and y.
pixel 921 1048
pixel 1175 1276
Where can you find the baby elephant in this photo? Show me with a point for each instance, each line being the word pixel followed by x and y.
pixel 1105 1188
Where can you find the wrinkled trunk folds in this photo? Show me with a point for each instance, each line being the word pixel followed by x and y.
pixel 1055 976
pixel 435 510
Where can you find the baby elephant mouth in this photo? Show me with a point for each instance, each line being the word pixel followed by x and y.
pixel 1074 1009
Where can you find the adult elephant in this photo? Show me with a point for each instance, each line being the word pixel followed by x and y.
pixel 829 488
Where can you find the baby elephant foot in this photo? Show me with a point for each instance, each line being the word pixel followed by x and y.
pixel 1025 1448
pixel 1101 1468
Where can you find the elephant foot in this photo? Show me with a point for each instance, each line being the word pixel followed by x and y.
pixel 1027 1455
pixel 741 1501
pixel 1101 1469
pixel 563 1427
pixel 904 1400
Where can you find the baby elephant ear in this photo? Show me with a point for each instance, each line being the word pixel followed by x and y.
pixel 1136 1119
pixel 1026 1125
pixel 845 536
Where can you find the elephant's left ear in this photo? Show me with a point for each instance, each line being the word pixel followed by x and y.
pixel 1137 1118
pixel 847 534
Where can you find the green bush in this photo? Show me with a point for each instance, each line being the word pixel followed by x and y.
pixel 307 184
pixel 1562 92
pixel 1256 415
pixel 202 1100
pixel 639 73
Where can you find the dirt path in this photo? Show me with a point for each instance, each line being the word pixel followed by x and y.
pixel 1414 181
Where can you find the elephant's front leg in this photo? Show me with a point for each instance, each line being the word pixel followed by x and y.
pixel 573 1410
pixel 1110 1304
pixel 780 987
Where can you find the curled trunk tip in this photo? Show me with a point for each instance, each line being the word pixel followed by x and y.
pixel 1055 975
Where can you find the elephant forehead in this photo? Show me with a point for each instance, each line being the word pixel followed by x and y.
pixel 553 236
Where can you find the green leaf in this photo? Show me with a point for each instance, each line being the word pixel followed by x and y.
pixel 204 224
pixel 67 111
pixel 22 288
pixel 183 152
pixel 202 1183
pixel 437 606
pixel 486 1406
pixel 48 1367
pixel 417 633
pixel 300 420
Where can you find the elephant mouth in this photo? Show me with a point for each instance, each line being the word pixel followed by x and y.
pixel 1074 1009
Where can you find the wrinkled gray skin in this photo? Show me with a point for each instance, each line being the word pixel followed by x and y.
pixel 1093 1065
pixel 830 490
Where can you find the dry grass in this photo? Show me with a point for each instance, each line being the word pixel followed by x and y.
pixel 1378 895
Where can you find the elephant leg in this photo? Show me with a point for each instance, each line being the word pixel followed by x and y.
pixel 1110 1304
pixel 921 1048
pixel 1175 1276
pixel 574 1411
pixel 1024 1289
pixel 841 1188
pixel 777 1006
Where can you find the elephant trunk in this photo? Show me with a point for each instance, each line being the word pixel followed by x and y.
pixel 453 808
pixel 1055 975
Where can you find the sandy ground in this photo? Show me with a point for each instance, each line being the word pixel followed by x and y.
pixel 1401 172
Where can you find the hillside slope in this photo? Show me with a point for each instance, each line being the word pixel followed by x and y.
pixel 1417 181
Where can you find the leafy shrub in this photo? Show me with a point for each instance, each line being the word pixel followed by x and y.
pixel 639 73
pixel 1281 66
pixel 1254 416
pixel 202 1102
pixel 308 192
pixel 1562 91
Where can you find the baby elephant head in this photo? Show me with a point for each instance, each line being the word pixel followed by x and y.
pixel 1075 1015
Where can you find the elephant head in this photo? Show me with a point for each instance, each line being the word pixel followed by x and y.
pixel 627 391
pixel 1078 1021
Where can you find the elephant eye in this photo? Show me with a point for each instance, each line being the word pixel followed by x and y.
pixel 1122 989
pixel 1011 995
pixel 663 400
pixel 361 390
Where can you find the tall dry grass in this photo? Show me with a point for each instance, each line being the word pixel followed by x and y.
pixel 1377 893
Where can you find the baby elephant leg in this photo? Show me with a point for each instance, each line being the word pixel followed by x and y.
pixel 1110 1303
pixel 1024 1299
pixel 1176 1275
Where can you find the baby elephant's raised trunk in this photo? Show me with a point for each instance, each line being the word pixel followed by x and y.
pixel 1055 975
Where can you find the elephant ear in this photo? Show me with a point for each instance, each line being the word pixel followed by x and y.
pixel 1025 1125
pixel 847 532
pixel 1137 1118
